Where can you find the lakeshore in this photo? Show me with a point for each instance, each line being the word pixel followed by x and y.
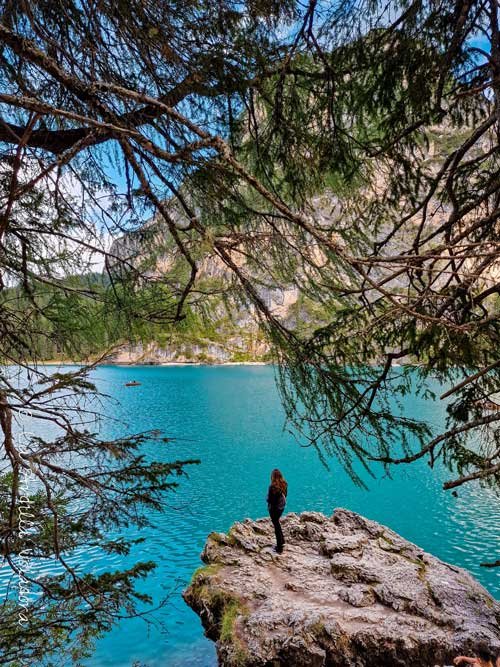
pixel 54 362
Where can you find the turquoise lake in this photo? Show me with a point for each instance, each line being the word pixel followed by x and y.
pixel 231 418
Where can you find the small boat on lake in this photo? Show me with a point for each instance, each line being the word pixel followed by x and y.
pixel 133 383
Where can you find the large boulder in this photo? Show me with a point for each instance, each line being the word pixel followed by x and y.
pixel 345 592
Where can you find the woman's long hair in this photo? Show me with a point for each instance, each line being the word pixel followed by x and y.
pixel 278 481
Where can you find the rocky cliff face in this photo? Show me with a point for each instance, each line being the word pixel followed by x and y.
pixel 233 349
pixel 233 334
pixel 347 592
pixel 152 249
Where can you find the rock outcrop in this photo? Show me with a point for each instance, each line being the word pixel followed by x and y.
pixel 233 349
pixel 345 592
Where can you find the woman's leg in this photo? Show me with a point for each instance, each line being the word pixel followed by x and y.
pixel 280 541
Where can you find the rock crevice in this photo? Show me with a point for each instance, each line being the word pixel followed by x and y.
pixel 346 592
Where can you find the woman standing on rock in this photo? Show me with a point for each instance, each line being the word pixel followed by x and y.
pixel 276 501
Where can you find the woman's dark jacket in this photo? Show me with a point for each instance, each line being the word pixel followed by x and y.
pixel 276 499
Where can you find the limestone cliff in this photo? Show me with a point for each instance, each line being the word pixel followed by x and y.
pixel 347 592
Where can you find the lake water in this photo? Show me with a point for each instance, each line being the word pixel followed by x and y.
pixel 231 418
